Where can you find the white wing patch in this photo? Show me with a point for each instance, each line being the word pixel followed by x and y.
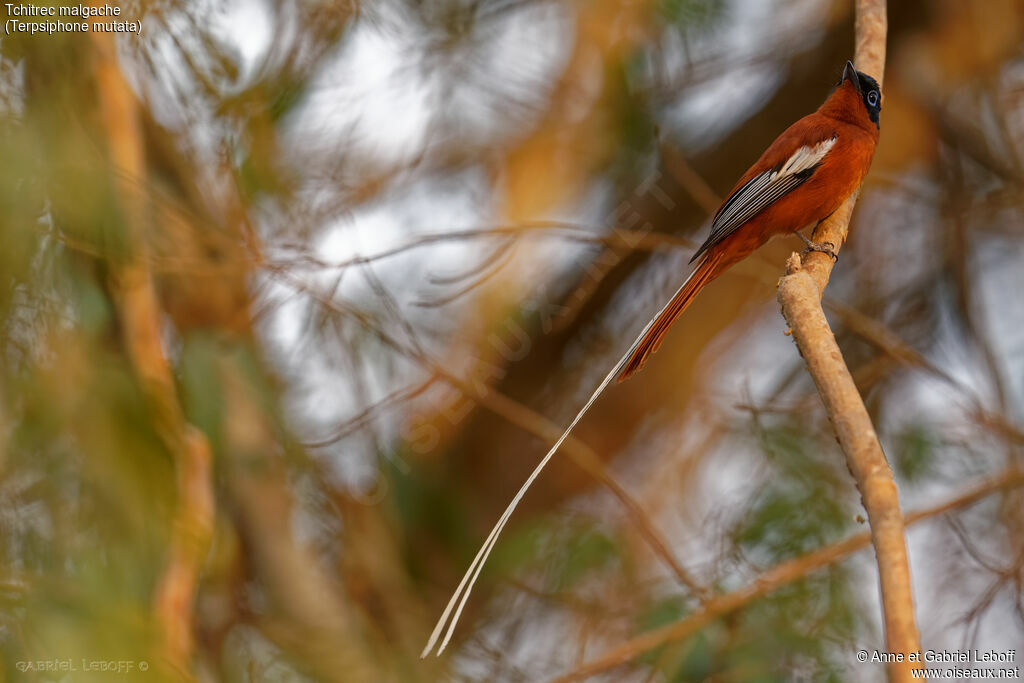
pixel 765 188
pixel 806 157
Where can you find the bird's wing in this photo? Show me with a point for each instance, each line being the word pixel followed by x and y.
pixel 763 189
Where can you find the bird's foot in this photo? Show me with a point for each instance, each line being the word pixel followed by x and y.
pixel 823 247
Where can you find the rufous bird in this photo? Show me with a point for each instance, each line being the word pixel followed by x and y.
pixel 801 179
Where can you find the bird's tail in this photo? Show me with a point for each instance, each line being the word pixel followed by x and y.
pixel 632 361
pixel 652 336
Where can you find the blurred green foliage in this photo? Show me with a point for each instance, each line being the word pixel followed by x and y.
pixel 805 500
pixel 914 452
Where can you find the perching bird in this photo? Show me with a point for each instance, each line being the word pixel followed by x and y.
pixel 801 179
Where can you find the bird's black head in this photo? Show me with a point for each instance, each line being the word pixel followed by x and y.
pixel 867 88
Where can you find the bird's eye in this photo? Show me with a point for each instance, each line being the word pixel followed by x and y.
pixel 873 98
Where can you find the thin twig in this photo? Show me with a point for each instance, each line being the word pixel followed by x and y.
pixel 573 232
pixel 358 421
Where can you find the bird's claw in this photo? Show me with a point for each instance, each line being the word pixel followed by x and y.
pixel 823 247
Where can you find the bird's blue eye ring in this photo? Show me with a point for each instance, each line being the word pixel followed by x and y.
pixel 873 97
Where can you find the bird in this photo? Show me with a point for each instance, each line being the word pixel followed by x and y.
pixel 800 180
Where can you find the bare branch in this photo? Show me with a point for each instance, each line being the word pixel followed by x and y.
pixel 800 293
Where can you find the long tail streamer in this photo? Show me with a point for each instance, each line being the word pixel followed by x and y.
pixel 458 600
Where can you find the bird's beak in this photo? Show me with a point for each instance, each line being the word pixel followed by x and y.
pixel 850 74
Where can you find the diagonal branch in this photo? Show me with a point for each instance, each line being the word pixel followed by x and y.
pixel 800 293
